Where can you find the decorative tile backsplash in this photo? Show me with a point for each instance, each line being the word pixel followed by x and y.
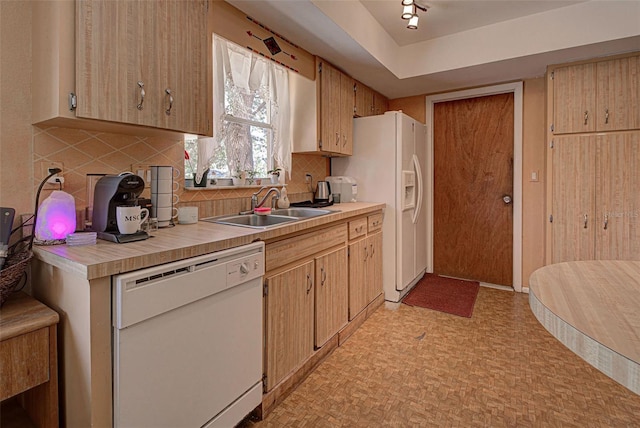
pixel 83 152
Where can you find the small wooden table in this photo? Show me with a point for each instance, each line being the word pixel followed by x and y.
pixel 593 308
pixel 28 358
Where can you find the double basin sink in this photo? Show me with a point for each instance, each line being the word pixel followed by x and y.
pixel 276 218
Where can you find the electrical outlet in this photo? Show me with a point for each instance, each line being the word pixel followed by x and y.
pixel 144 171
pixel 307 178
pixel 56 181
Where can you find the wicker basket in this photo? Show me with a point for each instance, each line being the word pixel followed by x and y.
pixel 12 273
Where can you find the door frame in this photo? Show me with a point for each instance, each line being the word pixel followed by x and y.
pixel 516 89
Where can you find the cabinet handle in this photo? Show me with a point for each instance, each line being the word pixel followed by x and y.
pixel 344 140
pixel 606 221
pixel 337 139
pixel 366 253
pixel 309 283
pixel 359 229
pixel 606 116
pixel 586 116
pixel 585 221
pixel 168 92
pixel 142 93
pixel 373 251
pixel 323 276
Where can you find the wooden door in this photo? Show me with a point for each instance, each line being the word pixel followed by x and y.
pixel 380 103
pixel 473 171
pixel 574 99
pixel 358 256
pixel 288 321
pixel 332 295
pixel 346 115
pixel 618 101
pixel 574 223
pixel 617 203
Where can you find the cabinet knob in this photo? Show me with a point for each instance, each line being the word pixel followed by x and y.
pixel 606 116
pixel 586 116
pixel 585 221
pixel 606 221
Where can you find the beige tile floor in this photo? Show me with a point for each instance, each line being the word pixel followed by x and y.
pixel 413 367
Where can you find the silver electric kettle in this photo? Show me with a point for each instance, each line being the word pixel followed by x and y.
pixel 323 192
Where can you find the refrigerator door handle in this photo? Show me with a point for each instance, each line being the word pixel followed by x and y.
pixel 416 165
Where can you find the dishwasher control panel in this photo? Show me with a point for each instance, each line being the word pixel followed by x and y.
pixel 245 269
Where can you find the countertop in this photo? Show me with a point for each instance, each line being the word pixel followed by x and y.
pixel 179 242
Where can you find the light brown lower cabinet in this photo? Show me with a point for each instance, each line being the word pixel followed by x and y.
pixel 331 301
pixel 596 202
pixel 365 262
pixel 289 304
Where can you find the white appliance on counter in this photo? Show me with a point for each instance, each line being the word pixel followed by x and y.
pixel 187 341
pixel 389 164
pixel 346 187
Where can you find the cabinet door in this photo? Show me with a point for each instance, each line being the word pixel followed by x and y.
pixel 358 295
pixel 188 64
pixel 331 298
pixel 108 50
pixel 346 115
pixel 618 197
pixel 618 102
pixel 329 108
pixel 573 169
pixel 364 100
pixel 574 102
pixel 380 103
pixel 288 321
pixel 373 272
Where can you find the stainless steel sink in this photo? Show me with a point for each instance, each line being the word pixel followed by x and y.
pixel 276 218
pixel 301 212
pixel 252 220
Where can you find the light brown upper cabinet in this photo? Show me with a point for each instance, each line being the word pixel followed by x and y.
pixel 130 62
pixel 363 100
pixel 368 102
pixel 335 98
pixel 597 96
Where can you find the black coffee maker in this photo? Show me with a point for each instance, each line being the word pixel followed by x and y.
pixel 112 191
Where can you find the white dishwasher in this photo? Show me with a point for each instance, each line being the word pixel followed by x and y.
pixel 187 341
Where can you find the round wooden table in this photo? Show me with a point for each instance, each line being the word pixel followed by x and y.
pixel 593 308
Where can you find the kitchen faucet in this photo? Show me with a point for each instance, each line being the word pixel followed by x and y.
pixel 274 199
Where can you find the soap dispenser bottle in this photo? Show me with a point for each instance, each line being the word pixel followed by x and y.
pixel 283 202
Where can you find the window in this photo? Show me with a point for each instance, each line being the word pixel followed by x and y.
pixel 251 114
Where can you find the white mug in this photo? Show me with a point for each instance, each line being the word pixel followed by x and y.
pixel 165 213
pixel 164 186
pixel 164 199
pixel 130 218
pixel 164 173
pixel 187 215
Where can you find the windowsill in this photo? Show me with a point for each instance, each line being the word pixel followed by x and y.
pixel 232 187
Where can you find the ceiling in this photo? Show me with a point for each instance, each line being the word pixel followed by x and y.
pixel 444 17
pixel 458 44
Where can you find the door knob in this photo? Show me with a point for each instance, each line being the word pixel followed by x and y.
pixel 507 199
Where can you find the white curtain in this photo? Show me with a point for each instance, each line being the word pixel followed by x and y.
pixel 239 75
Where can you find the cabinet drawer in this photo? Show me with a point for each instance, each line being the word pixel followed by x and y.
pixel 24 362
pixel 357 228
pixel 293 249
pixel 375 222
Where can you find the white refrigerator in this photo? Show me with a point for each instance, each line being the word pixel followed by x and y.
pixel 389 163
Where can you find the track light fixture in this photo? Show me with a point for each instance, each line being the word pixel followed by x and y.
pixel 410 13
